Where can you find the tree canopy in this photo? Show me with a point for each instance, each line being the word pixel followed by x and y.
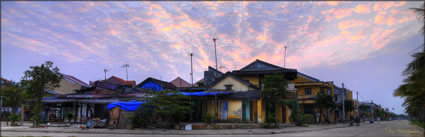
pixel 413 88
pixel 274 89
pixel 37 80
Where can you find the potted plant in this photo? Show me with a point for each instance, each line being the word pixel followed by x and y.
pixel 208 119
pixel 13 119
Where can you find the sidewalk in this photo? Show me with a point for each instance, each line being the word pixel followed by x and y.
pixel 258 131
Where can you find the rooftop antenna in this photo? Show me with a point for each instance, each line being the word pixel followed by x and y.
pixel 105 70
pixel 215 51
pixel 191 67
pixel 284 59
pixel 126 72
pixel 221 67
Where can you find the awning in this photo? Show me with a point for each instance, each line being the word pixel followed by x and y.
pixel 204 93
pixel 127 106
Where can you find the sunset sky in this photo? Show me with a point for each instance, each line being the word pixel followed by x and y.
pixel 365 45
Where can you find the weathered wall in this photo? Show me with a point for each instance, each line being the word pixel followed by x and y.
pixel 235 109
pixel 67 87
pixel 237 86
pixel 261 113
pixel 252 79
pixel 301 79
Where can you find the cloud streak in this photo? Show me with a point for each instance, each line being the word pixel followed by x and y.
pixel 157 36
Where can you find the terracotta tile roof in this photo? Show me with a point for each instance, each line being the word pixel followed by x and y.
pixel 119 81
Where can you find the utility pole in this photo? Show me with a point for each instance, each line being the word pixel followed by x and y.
pixel 126 73
pixel 191 67
pixel 371 105
pixel 358 110
pixel 284 59
pixel 105 70
pixel 343 104
pixel 215 51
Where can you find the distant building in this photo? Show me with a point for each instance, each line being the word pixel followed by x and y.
pixel 120 82
pixel 307 89
pixel 68 85
pixel 156 85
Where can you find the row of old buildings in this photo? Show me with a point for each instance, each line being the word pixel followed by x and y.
pixel 233 96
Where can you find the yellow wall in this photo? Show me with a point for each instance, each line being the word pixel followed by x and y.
pixel 349 95
pixel 67 87
pixel 254 110
pixel 288 113
pixel 301 91
pixel 237 86
pixel 252 79
pixel 260 112
pixel 234 109
pixel 211 107
pixel 301 79
pixel 278 113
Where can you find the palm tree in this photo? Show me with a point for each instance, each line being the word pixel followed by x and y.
pixel 413 89
pixel 126 72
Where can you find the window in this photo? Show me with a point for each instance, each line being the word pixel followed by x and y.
pixel 307 91
pixel 228 87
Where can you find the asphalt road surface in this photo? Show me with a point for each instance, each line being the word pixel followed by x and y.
pixel 382 129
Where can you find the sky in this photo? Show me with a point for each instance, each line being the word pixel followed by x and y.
pixel 365 45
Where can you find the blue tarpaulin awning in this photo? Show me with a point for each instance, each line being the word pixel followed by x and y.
pixel 204 93
pixel 127 106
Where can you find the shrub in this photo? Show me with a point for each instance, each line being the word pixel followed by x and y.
pixel 14 118
pixel 207 118
pixel 308 118
pixel 142 117
pixel 270 119
pixel 297 119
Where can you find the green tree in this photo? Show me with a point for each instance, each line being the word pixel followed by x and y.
pixel 296 117
pixel 275 89
pixel 170 106
pixel 14 95
pixel 363 110
pixel 324 101
pixel 37 80
pixel 348 105
pixel 413 89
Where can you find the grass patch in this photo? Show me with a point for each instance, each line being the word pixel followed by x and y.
pixel 418 123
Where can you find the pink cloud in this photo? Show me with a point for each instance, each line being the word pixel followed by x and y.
pixel 336 13
pixel 380 6
pixel 362 9
pixel 346 24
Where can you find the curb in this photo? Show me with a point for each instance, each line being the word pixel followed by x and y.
pixel 162 132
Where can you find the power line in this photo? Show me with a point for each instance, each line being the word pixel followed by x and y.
pixel 416 49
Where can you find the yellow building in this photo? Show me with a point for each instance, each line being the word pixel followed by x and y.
pixel 243 103
pixel 68 85
pixel 307 89
pixel 254 74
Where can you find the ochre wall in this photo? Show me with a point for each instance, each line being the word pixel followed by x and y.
pixel 288 112
pixel 301 89
pixel 252 79
pixel 237 86
pixel 301 79
pixel 261 113
pixel 235 109
pixel 211 107
pixel 349 95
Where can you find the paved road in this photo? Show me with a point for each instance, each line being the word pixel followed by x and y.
pixel 382 129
